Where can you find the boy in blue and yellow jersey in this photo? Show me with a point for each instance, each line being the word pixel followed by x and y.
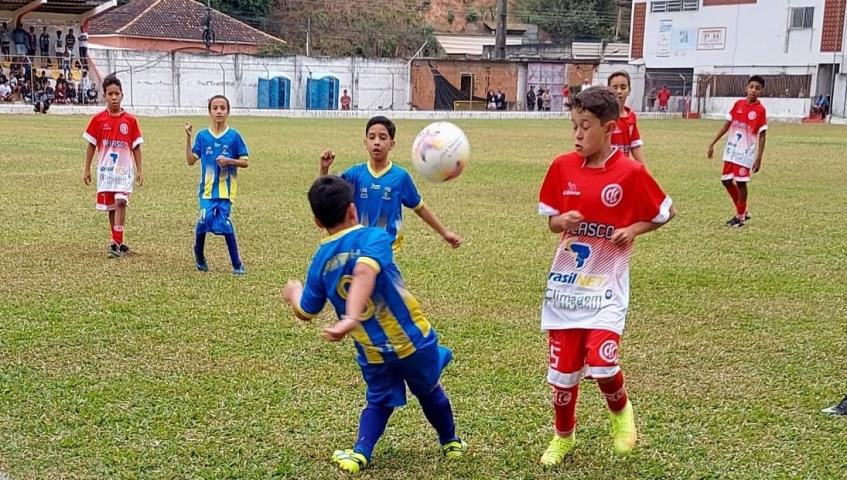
pixel 354 269
pixel 221 152
pixel 382 189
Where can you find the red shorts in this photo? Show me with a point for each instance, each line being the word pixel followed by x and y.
pixel 576 353
pixel 734 171
pixel 107 201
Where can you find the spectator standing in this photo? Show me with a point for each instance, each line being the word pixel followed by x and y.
pixel 539 99
pixel 5 39
pixel 60 49
pixel 70 43
pixel 345 98
pixel 664 97
pixel 83 50
pixel 31 42
pixel 566 98
pixel 44 46
pixel 530 99
pixel 19 37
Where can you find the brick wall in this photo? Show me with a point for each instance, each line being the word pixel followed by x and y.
pixel 639 13
pixel 487 76
pixel 833 25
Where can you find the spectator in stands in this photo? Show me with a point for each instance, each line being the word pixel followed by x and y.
pixel 13 85
pixel 83 49
pixel 5 38
pixel 539 100
pixel 664 97
pixel 44 46
pixel 345 98
pixel 70 43
pixel 41 101
pixel 66 63
pixel 60 50
pixel 651 100
pixel 31 42
pixel 490 100
pixel 530 99
pixel 500 99
pixel 3 77
pixel 19 37
pixel 85 86
pixel 61 90
pixel 566 98
pixel 71 92
pixel 5 91
pixel 585 84
pixel 546 100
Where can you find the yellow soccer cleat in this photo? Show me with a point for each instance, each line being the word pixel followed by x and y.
pixel 559 448
pixel 454 448
pixel 623 430
pixel 349 461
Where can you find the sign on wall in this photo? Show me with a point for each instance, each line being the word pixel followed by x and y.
pixel 663 49
pixel 682 40
pixel 711 38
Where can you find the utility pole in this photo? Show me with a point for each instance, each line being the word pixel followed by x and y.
pixel 308 36
pixel 500 39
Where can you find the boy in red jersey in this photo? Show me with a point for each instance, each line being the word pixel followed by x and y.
pixel 626 136
pixel 745 146
pixel 599 200
pixel 115 135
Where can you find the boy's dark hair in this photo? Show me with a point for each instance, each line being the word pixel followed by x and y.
pixel 216 97
pixel 329 197
pixel 384 121
pixel 602 102
pixel 619 73
pixel 112 80
pixel 757 78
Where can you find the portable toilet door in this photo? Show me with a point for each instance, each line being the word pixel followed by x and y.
pixel 322 93
pixel 273 94
pixel 264 94
pixel 284 93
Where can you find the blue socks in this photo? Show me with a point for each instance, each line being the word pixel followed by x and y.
pixel 232 246
pixel 436 407
pixel 371 426
pixel 199 246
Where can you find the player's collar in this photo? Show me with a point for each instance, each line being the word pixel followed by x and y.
pixel 340 233
pixel 608 162
pixel 217 136
pixel 376 174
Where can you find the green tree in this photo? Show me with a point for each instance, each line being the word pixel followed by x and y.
pixel 243 8
pixel 566 20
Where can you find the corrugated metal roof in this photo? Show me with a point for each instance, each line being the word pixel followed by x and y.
pixel 456 44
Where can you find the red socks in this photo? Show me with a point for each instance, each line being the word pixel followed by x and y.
pixel 614 391
pixel 732 189
pixel 118 234
pixel 741 209
pixel 564 404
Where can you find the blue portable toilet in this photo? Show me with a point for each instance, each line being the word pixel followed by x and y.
pixel 264 93
pixel 322 92
pixel 280 93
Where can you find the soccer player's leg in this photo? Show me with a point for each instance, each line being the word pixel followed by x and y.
pixel 602 359
pixel 728 181
pixel 742 178
pixel 121 204
pixel 422 372
pixel 222 225
pixel 565 372
pixel 200 231
pixel 385 391
pixel 106 203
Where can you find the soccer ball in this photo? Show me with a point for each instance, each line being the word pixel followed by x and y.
pixel 441 152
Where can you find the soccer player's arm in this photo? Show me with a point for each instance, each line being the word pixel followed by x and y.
pixel 721 133
pixel 550 199
pixel 636 144
pixel 137 140
pixel 241 157
pixel 760 151
pixel 192 153
pixel 308 301
pixel 412 199
pixel 92 137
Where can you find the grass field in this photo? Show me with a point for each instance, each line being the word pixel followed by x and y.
pixel 141 367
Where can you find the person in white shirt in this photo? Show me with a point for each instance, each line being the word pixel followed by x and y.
pixel 5 92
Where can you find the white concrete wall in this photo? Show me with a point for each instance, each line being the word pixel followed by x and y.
pixel 755 35
pixel 636 74
pixel 784 107
pixel 188 80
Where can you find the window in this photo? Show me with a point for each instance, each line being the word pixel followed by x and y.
pixel 802 18
pixel 467 84
pixel 674 6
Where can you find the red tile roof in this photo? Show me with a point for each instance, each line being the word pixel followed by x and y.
pixel 174 19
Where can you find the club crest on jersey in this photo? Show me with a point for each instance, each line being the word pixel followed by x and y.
pixel 124 129
pixel 611 195
pixel 751 116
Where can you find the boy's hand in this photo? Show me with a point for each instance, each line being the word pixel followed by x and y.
pixel 86 178
pixel 291 287
pixel 623 236
pixel 139 178
pixel 568 220
pixel 757 165
pixel 327 157
pixel 710 152
pixel 223 161
pixel 451 238
pixel 333 333
pixel 189 129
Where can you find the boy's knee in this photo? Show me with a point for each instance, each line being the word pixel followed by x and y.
pixel 727 183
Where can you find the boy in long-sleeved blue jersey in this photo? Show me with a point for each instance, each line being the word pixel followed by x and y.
pixel 354 270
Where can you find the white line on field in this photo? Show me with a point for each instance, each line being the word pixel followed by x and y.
pixel 34 174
